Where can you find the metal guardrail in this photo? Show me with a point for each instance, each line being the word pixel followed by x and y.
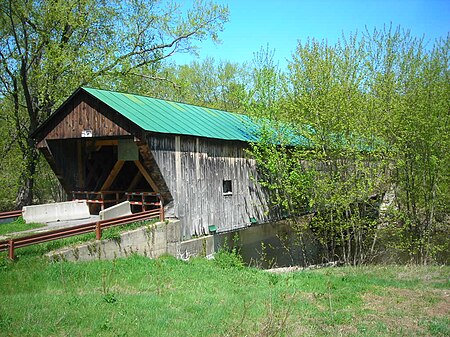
pixel 97 227
pixel 10 215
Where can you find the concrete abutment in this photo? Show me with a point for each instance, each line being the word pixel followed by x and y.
pixel 265 245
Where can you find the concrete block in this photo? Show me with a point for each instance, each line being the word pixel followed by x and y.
pixel 202 246
pixel 173 231
pixel 59 211
pixel 115 211
pixel 149 241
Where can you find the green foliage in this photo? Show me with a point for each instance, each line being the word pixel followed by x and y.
pixel 219 85
pixel 410 86
pixel 229 257
pixel 226 259
pixel 371 115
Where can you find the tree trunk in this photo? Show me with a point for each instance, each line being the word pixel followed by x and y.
pixel 27 177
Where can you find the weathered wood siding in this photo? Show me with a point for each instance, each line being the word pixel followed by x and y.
pixel 194 170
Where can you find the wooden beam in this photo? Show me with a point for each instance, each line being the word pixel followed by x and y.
pixel 135 180
pixel 112 175
pixel 106 142
pixel 153 169
pixel 146 175
pixel 42 144
pixel 98 144
pixel 178 182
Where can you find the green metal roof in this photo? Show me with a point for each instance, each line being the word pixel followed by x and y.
pixel 162 116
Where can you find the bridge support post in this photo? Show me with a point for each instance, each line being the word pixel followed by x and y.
pixel 161 209
pixel 11 250
pixel 98 231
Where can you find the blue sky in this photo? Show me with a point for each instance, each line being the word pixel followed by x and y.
pixel 280 24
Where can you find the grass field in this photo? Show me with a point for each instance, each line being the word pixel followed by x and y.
pixel 168 297
pixel 17 226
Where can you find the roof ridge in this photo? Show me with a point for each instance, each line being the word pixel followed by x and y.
pixel 165 100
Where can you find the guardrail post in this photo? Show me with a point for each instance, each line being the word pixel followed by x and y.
pixel 161 210
pixel 11 249
pixel 98 231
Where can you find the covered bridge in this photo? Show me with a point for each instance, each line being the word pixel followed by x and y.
pixel 108 146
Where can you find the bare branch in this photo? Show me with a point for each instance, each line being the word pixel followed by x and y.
pixel 135 52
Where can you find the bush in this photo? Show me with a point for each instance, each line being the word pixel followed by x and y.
pixel 228 259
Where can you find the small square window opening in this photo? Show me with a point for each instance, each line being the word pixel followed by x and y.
pixel 227 187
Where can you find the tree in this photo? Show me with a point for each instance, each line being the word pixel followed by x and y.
pixel 409 87
pixel 221 85
pixel 354 120
pixel 49 48
pixel 319 161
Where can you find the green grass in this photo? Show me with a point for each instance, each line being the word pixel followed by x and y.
pixel 137 296
pixel 17 225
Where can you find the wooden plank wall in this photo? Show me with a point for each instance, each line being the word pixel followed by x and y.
pixel 85 113
pixel 194 170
